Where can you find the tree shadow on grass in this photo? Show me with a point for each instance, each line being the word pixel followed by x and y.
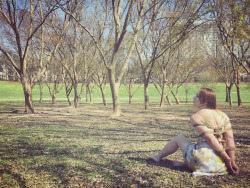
pixel 166 163
pixel 15 176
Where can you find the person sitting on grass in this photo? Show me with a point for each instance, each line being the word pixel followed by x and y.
pixel 214 153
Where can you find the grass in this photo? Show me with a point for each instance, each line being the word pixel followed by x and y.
pixel 65 147
pixel 60 146
pixel 13 92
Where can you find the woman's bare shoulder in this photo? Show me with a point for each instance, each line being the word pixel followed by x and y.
pixel 196 118
pixel 222 114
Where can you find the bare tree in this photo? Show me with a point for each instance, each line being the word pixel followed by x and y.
pixel 189 61
pixel 219 58
pixel 131 76
pixel 22 21
pixel 68 85
pixel 148 45
pixel 121 16
pixel 160 77
pixel 54 80
pixel 163 73
pixel 232 20
pixel 170 23
pixel 80 65
pixel 121 19
pixel 100 77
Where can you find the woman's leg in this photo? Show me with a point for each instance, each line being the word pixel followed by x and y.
pixel 177 142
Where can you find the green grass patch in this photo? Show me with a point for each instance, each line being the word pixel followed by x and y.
pixel 13 92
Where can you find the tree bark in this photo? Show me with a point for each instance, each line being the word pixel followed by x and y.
pixel 130 91
pixel 87 93
pixel 175 97
pixel 41 91
pixel 55 91
pixel 53 99
pixel 29 108
pixel 23 40
pixel 146 95
pixel 68 89
pixel 69 100
pixel 76 98
pixel 186 92
pixel 163 94
pixel 227 94
pixel 115 93
pixel 130 94
pixel 169 102
pixel 229 88
pixel 237 84
pixel 90 91
pixel 103 96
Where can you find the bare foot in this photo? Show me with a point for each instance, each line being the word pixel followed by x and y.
pixel 155 159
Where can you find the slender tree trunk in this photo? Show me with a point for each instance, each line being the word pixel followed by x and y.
pixel 69 101
pixel 54 92
pixel 130 88
pixel 169 102
pixel 130 99
pixel 162 103
pixel 227 94
pixel 90 90
pixel 115 93
pixel 175 97
pixel 237 84
pixel 81 92
pixel 163 93
pixel 87 93
pixel 53 99
pixel 116 102
pixel 229 88
pixel 186 92
pixel 78 97
pixel 76 94
pixel 238 95
pixel 41 91
pixel 29 108
pixel 103 97
pixel 68 89
pixel 146 95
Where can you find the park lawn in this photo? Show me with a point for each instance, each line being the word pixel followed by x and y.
pixel 60 146
pixel 13 92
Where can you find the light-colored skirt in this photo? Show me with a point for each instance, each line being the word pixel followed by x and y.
pixel 203 160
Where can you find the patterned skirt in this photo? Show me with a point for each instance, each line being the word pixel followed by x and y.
pixel 203 160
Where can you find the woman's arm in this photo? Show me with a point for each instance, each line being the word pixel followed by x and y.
pixel 214 143
pixel 208 136
pixel 231 148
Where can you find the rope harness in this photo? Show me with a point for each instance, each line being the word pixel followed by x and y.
pixel 219 134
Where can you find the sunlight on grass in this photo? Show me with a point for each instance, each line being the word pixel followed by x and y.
pixel 13 92
pixel 59 147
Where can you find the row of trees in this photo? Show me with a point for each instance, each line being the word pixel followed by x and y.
pixel 80 42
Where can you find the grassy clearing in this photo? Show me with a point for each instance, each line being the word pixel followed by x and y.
pixel 64 147
pixel 13 92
